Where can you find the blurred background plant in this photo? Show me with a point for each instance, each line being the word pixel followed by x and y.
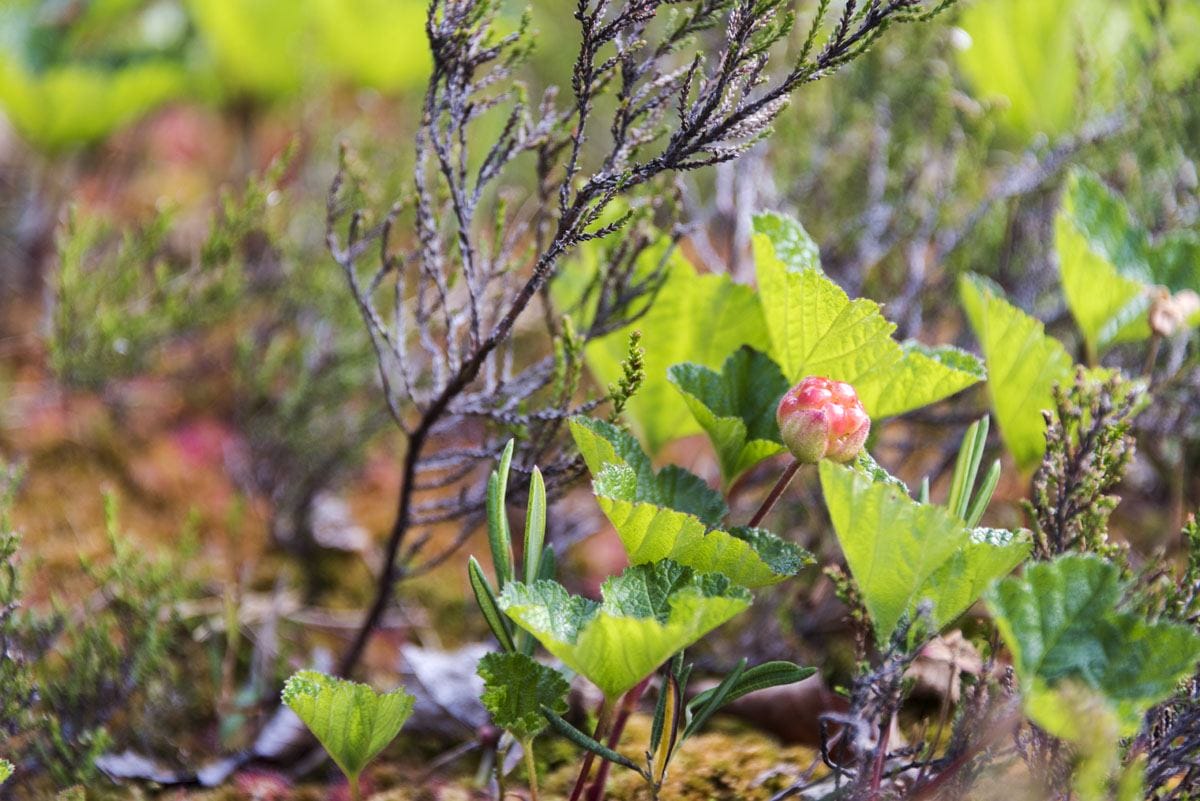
pixel 173 329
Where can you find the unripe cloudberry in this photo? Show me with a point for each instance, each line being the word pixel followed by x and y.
pixel 822 419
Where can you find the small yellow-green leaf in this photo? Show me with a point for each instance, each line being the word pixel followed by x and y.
pixel 352 721
pixel 673 514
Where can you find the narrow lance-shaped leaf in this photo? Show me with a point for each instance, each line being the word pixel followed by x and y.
pixel 648 613
pixel 485 597
pixel 352 721
pixel 499 537
pixel 586 742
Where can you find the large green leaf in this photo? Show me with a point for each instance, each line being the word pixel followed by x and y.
pixel 674 514
pixel 649 613
pixel 816 329
pixel 1023 366
pixel 694 318
pixel 735 407
pixel 1065 625
pixel 352 721
pixel 516 687
pixel 902 553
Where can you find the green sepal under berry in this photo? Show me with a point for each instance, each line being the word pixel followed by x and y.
pixel 673 514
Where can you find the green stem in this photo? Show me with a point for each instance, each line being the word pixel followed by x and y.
pixel 530 768
pixel 355 793
pixel 776 491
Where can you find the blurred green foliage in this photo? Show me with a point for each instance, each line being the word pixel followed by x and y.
pixel 72 73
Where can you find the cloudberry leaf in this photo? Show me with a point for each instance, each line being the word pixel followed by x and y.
pixel 902 552
pixel 352 721
pixel 1066 625
pixel 649 613
pixel 816 329
pixel 1023 364
pixel 674 514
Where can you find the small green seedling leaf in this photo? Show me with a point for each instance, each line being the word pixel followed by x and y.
pixel 352 721
pixel 1071 637
pixel 648 613
pixel 516 688
pixel 673 514
pixel 902 552
pixel 816 329
pixel 966 468
pixel 499 537
pixel 735 407
pixel 1023 365
pixel 6 770
pixel 535 524
pixel 718 698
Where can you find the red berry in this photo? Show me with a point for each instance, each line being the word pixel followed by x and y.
pixel 819 418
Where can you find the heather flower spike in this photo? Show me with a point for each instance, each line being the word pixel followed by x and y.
pixel 822 419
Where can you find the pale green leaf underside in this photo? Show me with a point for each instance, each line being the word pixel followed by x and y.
pixel 902 553
pixel 674 515
pixel 516 687
pixel 816 329
pixel 351 720
pixel 696 318
pixel 649 613
pixel 1064 625
pixel 1023 366
pixel 735 407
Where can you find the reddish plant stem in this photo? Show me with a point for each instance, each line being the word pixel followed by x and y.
pixel 885 729
pixel 776 491
pixel 628 704
pixel 603 717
